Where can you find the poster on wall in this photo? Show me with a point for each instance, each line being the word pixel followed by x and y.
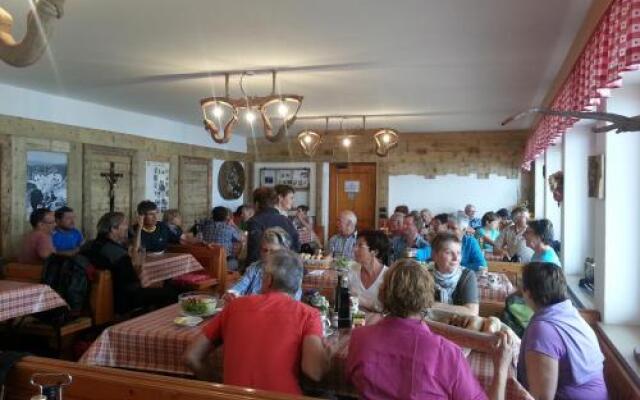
pixel 46 180
pixel 157 184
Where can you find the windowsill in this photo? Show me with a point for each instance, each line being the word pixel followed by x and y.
pixel 623 339
pixel 580 296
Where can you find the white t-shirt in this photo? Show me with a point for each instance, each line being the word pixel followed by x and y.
pixel 368 298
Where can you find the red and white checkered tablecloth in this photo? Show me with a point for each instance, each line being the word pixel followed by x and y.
pixel 152 342
pixel 18 299
pixel 494 287
pixel 166 266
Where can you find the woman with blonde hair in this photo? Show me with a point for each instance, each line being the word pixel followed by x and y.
pixel 400 358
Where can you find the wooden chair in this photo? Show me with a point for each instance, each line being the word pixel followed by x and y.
pixel 213 259
pixel 23 272
pixel 100 383
pixel 512 270
pixel 101 298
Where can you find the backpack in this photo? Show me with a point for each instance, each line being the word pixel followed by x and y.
pixel 68 277
pixel 517 314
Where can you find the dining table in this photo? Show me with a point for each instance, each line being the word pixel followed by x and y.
pixel 20 299
pixel 157 268
pixel 493 287
pixel 154 343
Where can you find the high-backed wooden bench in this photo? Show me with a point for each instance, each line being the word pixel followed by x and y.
pixel 101 296
pixel 511 269
pixel 213 259
pixel 99 383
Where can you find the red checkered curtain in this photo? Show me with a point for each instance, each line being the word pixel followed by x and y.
pixel 613 48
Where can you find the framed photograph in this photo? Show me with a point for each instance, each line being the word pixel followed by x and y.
pixel 157 183
pixel 296 177
pixel 46 180
pixel 596 176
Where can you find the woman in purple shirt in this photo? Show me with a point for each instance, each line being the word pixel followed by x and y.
pixel 400 358
pixel 558 344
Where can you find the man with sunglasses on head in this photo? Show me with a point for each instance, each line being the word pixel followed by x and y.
pixel 37 245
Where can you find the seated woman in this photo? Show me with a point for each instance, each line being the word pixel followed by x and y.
pixel 539 236
pixel 489 232
pixel 309 242
pixel 558 344
pixel 366 274
pixel 173 219
pixel 456 286
pixel 273 239
pixel 400 358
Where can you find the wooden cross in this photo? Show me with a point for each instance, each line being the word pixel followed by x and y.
pixel 112 179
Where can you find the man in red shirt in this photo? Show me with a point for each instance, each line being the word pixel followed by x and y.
pixel 37 245
pixel 268 338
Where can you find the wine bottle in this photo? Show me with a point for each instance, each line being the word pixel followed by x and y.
pixel 344 308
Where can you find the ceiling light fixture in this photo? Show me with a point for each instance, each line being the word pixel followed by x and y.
pixel 385 139
pixel 223 111
pixel 311 140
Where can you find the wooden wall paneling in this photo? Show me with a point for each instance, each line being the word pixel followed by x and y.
pixel 195 189
pixel 5 192
pixel 96 202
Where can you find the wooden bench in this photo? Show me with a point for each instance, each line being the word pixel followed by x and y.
pixel 99 383
pixel 213 259
pixel 512 270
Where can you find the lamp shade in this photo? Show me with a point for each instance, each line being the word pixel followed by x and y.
pixel 385 139
pixel 310 141
pixel 219 115
pixel 278 114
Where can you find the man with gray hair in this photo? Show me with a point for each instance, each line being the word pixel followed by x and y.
pixel 343 243
pixel 268 337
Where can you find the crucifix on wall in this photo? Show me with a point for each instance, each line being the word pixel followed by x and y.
pixel 112 179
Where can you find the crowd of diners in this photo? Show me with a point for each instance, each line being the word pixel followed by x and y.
pixel 270 336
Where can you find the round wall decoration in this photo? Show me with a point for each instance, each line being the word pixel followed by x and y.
pixel 231 180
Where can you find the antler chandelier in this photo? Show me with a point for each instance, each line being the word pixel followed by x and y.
pixel 222 114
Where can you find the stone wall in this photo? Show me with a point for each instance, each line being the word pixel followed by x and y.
pixel 428 154
pixel 90 152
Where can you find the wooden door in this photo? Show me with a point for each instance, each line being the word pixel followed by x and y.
pixel 353 187
pixel 194 189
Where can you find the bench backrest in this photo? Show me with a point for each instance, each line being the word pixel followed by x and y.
pixel 99 383
pixel 213 259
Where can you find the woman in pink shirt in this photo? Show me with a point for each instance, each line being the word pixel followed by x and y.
pixel 400 358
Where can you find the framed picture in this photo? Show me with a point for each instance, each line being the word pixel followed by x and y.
pixel 296 177
pixel 596 176
pixel 46 180
pixel 157 184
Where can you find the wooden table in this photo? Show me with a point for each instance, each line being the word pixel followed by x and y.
pixel 152 342
pixel 19 299
pixel 158 268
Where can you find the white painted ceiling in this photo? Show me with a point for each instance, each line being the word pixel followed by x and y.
pixel 466 63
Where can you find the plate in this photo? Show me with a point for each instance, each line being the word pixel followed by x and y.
pixel 187 321
pixel 155 253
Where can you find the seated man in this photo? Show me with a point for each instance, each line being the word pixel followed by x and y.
pixel 468 220
pixel 109 252
pixel 268 338
pixel 220 230
pixel 511 243
pixel 37 245
pixel 396 224
pixel 342 244
pixel 410 238
pixel 472 255
pixel 149 233
pixel 242 215
pixel 66 238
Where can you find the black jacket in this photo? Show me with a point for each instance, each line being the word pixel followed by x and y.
pixel 263 220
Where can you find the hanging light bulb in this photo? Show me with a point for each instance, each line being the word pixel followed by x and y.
pixel 346 142
pixel 217 111
pixel 386 138
pixel 283 110
pixel 250 116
